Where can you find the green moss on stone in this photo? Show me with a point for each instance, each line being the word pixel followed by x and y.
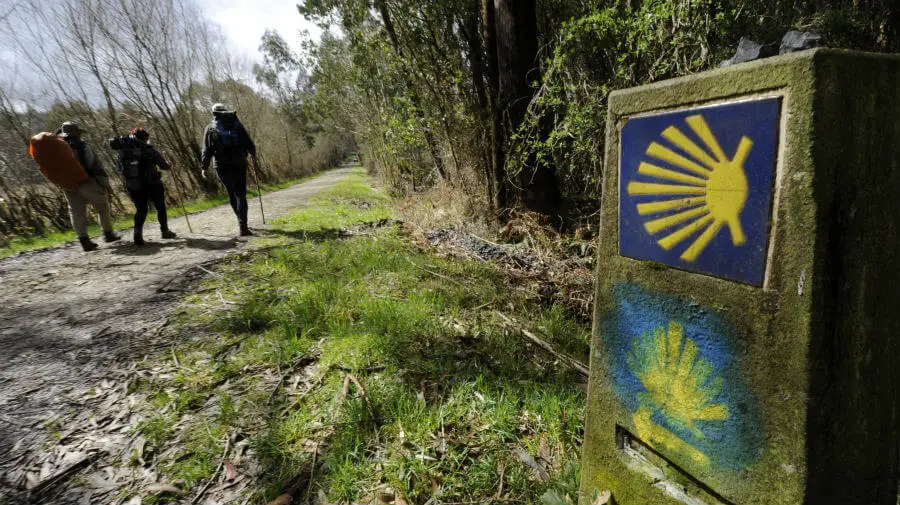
pixel 817 342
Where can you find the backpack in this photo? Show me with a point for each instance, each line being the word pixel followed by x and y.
pixel 56 160
pixel 228 133
pixel 135 161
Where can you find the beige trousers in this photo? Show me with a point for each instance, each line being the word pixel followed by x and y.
pixel 90 191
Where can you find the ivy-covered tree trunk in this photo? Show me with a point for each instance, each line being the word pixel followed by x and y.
pixel 517 40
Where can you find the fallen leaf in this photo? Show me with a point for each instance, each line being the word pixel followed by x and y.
pixel 603 498
pixel 284 499
pixel 230 472
pixel 138 446
pixel 544 449
pixel 526 458
pixel 162 488
pixel 100 483
pixel 46 471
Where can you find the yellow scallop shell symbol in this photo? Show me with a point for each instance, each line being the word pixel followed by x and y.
pixel 710 189
pixel 680 385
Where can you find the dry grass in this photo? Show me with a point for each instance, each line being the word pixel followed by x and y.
pixel 560 264
pixel 446 206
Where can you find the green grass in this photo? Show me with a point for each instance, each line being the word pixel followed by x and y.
pixel 452 399
pixel 27 242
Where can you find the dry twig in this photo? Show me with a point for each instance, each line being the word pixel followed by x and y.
pixel 436 274
pixel 64 474
pixel 368 369
pixel 216 474
pixel 312 386
pixel 543 344
pixel 362 391
pixel 210 272
pixel 312 470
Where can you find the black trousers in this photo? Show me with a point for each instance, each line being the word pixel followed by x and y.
pixel 155 193
pixel 234 178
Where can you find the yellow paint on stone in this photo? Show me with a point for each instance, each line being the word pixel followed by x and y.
pixel 680 386
pixel 720 182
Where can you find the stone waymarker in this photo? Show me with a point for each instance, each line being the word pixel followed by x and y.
pixel 747 321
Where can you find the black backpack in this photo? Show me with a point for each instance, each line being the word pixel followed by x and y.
pixel 135 161
pixel 230 143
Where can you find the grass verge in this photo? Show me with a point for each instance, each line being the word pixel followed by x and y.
pixel 34 242
pixel 352 366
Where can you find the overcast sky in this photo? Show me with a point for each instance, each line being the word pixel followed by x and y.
pixel 244 22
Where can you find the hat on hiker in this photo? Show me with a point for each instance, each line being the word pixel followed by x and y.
pixel 140 134
pixel 219 108
pixel 69 129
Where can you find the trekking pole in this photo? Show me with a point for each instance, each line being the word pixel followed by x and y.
pixel 180 193
pixel 258 189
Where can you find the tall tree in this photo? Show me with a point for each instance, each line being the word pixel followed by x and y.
pixel 517 68
pixel 382 7
pixel 489 24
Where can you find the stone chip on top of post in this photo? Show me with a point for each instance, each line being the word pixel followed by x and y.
pixel 747 316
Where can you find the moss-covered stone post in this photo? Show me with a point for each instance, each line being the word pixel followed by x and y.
pixel 747 315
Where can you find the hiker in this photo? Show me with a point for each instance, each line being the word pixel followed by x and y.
pixel 227 142
pixel 138 162
pixel 95 190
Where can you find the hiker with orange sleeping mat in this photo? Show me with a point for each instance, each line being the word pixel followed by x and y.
pixel 69 162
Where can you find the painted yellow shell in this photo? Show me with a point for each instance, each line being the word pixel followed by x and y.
pixel 679 385
pixel 710 189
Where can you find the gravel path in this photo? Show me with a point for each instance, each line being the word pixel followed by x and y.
pixel 68 317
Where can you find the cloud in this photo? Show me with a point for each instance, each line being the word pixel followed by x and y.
pixel 245 21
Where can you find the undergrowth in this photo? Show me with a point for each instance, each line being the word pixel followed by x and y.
pixel 359 368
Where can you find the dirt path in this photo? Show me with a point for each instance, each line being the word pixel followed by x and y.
pixel 68 317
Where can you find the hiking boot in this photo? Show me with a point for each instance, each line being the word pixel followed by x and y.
pixel 169 234
pixel 139 238
pixel 87 244
pixel 245 232
pixel 110 236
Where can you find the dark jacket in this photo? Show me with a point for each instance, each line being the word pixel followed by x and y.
pixel 224 156
pixel 147 157
pixel 159 161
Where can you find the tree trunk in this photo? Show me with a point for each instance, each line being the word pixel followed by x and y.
pixel 482 101
pixel 501 184
pixel 516 28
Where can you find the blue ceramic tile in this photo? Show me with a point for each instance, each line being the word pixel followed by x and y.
pixel 696 188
